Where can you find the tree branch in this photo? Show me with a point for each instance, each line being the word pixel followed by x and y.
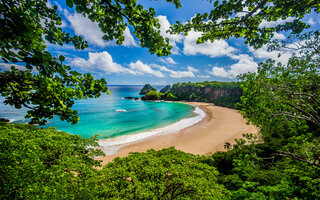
pixel 125 16
pixel 296 157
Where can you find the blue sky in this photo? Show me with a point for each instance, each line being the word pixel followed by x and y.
pixel 130 64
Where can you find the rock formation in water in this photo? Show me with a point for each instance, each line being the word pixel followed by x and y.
pixel 147 88
pixel 4 120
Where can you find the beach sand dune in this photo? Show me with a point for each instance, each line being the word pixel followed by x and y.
pixel 219 126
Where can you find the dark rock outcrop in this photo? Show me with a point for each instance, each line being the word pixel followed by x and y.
pixel 37 122
pixel 4 120
pixel 147 88
pixel 133 98
pixel 165 89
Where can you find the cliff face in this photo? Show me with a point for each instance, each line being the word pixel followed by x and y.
pixel 216 93
pixel 222 95
pixel 210 93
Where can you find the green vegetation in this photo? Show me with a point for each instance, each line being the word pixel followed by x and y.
pixel 154 95
pixel 165 174
pixel 230 100
pixel 168 96
pixel 259 171
pixel 46 86
pixel 166 89
pixel 45 163
pixel 147 88
pixel 283 100
pixel 209 84
pixel 48 164
pixel 221 93
pixel 245 18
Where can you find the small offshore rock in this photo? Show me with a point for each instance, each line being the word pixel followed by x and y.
pixel 4 120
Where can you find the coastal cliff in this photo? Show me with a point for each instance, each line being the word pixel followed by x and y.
pixel 225 94
pixel 221 93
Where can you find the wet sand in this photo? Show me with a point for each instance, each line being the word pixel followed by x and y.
pixel 220 125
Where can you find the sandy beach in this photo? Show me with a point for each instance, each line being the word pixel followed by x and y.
pixel 220 125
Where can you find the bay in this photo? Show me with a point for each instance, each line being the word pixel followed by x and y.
pixel 111 115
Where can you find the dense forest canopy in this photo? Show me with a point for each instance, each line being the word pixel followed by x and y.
pixel 281 99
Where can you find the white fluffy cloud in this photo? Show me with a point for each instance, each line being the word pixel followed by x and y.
pixel 140 68
pixel 191 69
pixel 177 74
pixel 220 72
pixel 245 64
pixel 128 39
pixel 275 23
pixel 92 33
pixel 216 49
pixel 100 62
pixel 7 67
pixel 263 53
pixel 103 62
pixel 279 36
pixel 174 39
pixel 181 74
pixel 243 13
pixel 168 60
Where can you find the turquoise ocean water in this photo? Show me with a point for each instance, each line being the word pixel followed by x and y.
pixel 111 115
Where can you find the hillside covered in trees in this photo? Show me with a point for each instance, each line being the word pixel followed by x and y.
pixel 220 93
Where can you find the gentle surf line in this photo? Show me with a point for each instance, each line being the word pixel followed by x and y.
pixel 112 145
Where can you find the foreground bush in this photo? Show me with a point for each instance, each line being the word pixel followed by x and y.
pixel 165 174
pixel 44 163
pixel 49 164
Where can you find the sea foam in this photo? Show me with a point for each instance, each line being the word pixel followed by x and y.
pixel 121 110
pixel 112 145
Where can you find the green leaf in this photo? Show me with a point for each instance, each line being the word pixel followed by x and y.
pixel 69 3
pixel 61 58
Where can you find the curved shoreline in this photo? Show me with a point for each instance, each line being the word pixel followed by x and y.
pixel 220 125
pixel 112 145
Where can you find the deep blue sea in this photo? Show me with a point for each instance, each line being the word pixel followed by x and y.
pixel 111 115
